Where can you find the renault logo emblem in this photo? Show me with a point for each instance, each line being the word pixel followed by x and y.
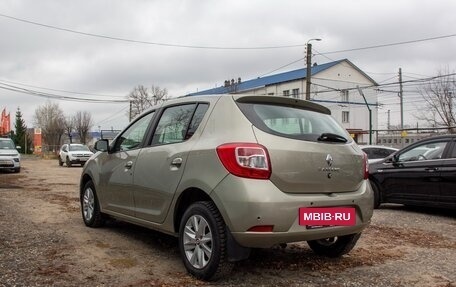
pixel 329 160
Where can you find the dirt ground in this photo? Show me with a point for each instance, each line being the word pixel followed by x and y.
pixel 43 242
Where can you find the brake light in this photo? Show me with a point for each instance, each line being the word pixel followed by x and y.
pixel 365 166
pixel 245 160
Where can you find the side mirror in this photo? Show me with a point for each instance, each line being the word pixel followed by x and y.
pixel 102 145
pixel 395 159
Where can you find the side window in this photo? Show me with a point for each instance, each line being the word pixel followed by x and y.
pixel 173 124
pixel 196 120
pixel 427 151
pixel 134 135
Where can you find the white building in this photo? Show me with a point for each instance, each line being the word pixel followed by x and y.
pixel 334 85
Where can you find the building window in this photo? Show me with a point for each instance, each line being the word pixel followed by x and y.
pixel 296 93
pixel 345 116
pixel 344 95
pixel 286 93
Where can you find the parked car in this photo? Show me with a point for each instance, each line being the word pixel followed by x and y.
pixel 10 159
pixel 74 154
pixel 421 174
pixel 227 173
pixel 376 153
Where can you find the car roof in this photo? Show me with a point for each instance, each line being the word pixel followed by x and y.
pixel 377 146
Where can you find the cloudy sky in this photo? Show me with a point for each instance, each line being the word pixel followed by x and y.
pixel 184 46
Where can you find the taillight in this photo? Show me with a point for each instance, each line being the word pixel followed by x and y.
pixel 365 166
pixel 245 160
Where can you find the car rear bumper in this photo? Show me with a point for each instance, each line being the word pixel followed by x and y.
pixel 248 203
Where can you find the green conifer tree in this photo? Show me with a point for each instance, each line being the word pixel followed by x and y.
pixel 21 138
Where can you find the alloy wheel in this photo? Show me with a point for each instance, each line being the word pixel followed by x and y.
pixel 197 241
pixel 88 204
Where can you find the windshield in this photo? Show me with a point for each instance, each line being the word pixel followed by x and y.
pixel 79 148
pixel 294 122
pixel 7 144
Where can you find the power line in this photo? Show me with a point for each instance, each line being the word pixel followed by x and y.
pixel 17 89
pixel 217 47
pixel 149 42
pixel 57 90
pixel 390 44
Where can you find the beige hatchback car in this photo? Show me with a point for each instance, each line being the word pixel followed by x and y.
pixel 228 173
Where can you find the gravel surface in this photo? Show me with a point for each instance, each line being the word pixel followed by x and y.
pixel 43 242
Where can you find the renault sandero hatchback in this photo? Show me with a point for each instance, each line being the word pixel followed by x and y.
pixel 228 173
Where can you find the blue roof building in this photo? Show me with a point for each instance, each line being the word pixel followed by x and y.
pixel 336 85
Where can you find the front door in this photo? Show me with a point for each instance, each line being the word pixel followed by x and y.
pixel 117 168
pixel 415 175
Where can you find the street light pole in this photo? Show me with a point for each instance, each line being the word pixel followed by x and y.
pixel 309 66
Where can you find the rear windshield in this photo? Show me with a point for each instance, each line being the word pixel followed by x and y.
pixel 292 122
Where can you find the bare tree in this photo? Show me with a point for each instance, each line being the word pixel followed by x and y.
pixel 141 98
pixel 439 95
pixel 82 124
pixel 69 127
pixel 50 119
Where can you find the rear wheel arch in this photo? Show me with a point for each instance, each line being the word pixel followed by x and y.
pixel 187 198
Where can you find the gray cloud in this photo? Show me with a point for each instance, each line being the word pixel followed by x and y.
pixel 56 59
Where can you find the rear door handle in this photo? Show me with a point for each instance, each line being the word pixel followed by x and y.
pixel 129 164
pixel 177 162
pixel 431 169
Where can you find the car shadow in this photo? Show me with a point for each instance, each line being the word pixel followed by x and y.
pixel 444 212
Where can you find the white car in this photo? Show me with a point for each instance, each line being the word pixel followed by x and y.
pixel 376 153
pixel 10 159
pixel 74 154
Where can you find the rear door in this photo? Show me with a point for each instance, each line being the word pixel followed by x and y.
pixel 116 176
pixel 160 166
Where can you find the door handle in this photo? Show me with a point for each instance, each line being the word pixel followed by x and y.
pixel 431 169
pixel 177 162
pixel 129 164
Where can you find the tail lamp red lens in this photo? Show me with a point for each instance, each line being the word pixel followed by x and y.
pixel 248 160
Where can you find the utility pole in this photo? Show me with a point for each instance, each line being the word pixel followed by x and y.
pixel 130 114
pixel 401 98
pixel 308 72
pixel 309 67
pixel 370 113
pixel 389 120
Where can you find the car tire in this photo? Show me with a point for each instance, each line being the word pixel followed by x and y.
pixel 60 161
pixel 17 170
pixel 375 190
pixel 203 241
pixel 68 162
pixel 334 246
pixel 90 206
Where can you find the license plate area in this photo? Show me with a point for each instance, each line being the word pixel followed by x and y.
pixel 319 217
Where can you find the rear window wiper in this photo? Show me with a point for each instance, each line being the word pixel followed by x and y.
pixel 329 137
